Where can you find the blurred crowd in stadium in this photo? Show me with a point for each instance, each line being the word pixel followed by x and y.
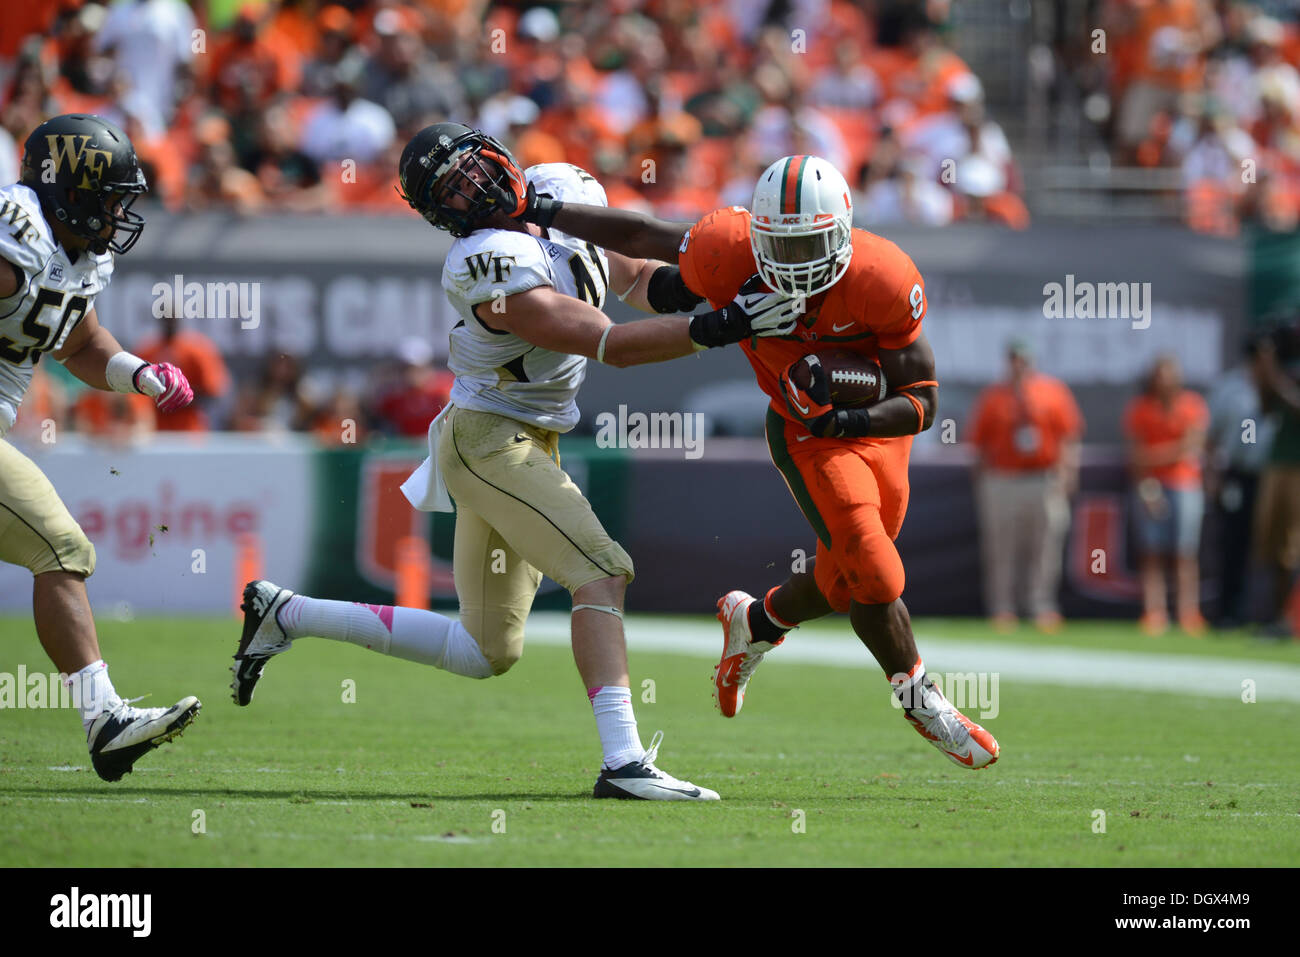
pixel 1211 89
pixel 304 105
pixel 675 105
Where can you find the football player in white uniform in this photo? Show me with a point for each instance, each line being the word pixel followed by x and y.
pixel 59 228
pixel 530 304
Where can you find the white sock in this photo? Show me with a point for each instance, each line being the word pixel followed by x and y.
pixel 422 636
pixel 616 724
pixel 92 692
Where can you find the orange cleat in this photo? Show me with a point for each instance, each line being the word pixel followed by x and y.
pixel 1049 622
pixel 1154 624
pixel 957 736
pixel 1004 623
pixel 740 653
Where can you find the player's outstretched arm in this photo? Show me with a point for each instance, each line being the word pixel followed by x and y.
pixel 561 323
pixel 650 285
pixel 633 234
pixel 94 356
pixel 552 320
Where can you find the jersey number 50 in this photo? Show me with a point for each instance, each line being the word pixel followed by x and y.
pixel 37 331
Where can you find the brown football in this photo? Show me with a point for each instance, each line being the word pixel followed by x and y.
pixel 855 380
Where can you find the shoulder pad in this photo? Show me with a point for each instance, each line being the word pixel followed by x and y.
pixel 495 262
pixel 25 238
pixel 566 182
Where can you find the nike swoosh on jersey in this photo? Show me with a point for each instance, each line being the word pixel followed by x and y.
pixel 839 328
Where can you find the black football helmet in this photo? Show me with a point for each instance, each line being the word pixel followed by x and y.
pixel 85 172
pixel 455 177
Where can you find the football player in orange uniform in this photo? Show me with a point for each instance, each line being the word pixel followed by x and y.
pixel 846 467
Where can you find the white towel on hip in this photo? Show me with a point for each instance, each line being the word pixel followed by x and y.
pixel 424 488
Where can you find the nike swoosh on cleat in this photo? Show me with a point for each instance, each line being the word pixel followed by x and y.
pixel 693 792
pixel 968 760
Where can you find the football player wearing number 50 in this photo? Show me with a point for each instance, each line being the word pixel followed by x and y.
pixel 845 467
pixel 530 303
pixel 60 226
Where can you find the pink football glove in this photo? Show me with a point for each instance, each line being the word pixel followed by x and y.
pixel 166 384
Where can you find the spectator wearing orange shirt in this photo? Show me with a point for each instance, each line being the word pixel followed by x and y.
pixel 1166 426
pixel 249 67
pixel 1173 37
pixel 1026 433
pixel 202 362
pixel 116 418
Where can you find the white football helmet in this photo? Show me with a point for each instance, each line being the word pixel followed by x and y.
pixel 801 225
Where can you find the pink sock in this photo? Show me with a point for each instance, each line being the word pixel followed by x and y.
pixel 422 636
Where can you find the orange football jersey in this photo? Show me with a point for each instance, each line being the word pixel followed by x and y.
pixel 878 303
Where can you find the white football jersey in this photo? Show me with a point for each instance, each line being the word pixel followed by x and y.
pixel 498 371
pixel 41 315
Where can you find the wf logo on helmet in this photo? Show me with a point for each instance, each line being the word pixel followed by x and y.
pixel 70 149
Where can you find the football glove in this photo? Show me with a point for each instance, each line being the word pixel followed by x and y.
pixel 756 311
pixel 166 384
pixel 534 208
pixel 811 403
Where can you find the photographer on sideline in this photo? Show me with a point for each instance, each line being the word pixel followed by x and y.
pixel 1277 515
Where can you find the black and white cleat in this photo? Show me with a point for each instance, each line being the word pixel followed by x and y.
pixel 120 737
pixel 641 780
pixel 261 638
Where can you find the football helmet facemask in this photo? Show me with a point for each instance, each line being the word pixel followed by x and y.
pixel 801 225
pixel 455 177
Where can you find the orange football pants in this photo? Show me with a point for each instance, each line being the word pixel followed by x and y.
pixel 853 492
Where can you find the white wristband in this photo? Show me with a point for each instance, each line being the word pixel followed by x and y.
pixel 121 371
pixel 600 349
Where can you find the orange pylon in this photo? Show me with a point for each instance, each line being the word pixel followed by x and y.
pixel 248 563
pixel 414 573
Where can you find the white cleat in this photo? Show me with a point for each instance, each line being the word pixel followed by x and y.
pixel 120 737
pixel 643 781
pixel 741 655
pixel 262 636
pixel 961 739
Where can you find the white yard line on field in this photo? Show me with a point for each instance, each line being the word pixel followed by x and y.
pixel 1119 670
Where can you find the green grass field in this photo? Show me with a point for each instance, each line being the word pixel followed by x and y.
pixel 428 769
